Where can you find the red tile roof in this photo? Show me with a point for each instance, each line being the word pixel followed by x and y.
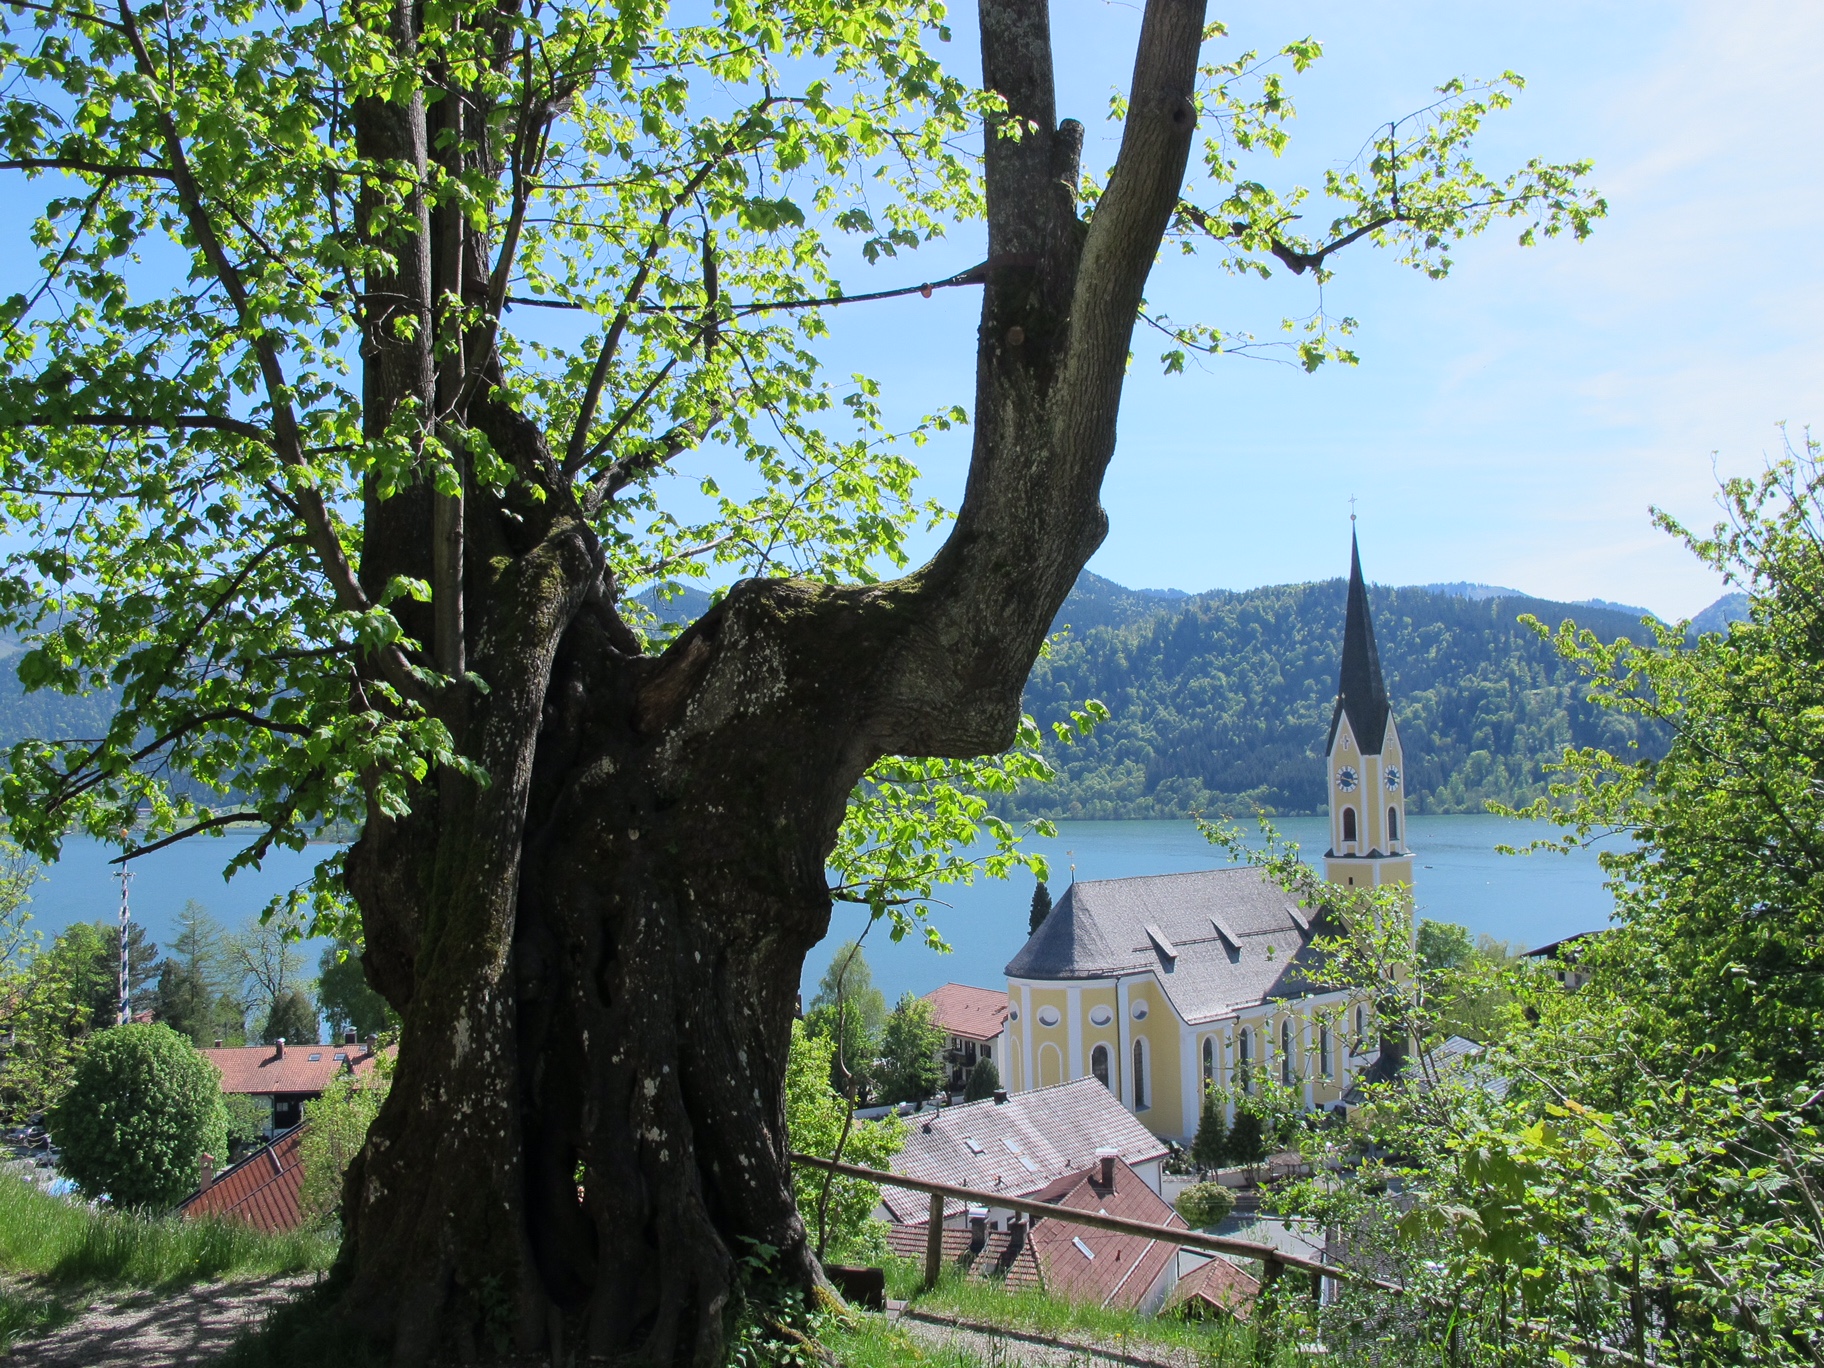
pixel 258 1069
pixel 260 1191
pixel 959 1010
pixel 1017 1269
pixel 1218 1286
pixel 1085 1264
pixel 1068 1260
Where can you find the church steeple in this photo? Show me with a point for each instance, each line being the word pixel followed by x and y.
pixel 1361 693
pixel 1363 758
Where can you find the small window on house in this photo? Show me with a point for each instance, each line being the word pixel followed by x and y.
pixel 341 1058
pixel 974 1145
pixel 316 1058
pixel 1348 824
pixel 1139 1076
pixel 987 1052
pixel 1098 1064
pixel 1083 1249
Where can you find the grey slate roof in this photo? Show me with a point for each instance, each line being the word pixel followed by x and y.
pixel 1361 692
pixel 1239 938
pixel 1017 1146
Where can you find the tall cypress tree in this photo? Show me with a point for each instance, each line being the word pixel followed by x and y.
pixel 1210 1150
pixel 1041 905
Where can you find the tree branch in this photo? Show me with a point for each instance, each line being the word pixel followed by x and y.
pixel 226 819
pixel 129 420
pixel 85 168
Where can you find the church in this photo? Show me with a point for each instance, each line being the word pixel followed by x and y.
pixel 1162 986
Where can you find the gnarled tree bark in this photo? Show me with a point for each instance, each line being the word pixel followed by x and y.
pixel 596 953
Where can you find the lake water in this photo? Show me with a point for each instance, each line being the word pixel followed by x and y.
pixel 1458 877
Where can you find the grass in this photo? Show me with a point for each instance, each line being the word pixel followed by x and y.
pixel 1218 1344
pixel 65 1243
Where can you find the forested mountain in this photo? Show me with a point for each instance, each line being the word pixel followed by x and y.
pixel 1221 701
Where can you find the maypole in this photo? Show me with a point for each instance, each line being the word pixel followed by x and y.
pixel 126 1002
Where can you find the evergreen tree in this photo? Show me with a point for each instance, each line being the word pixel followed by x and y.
pixel 910 1068
pixel 184 1001
pixel 293 1019
pixel 1247 1140
pixel 1041 906
pixel 984 1078
pixel 1210 1149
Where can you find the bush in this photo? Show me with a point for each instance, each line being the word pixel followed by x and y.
pixel 984 1078
pixel 143 1107
pixel 1247 1140
pixel 1210 1149
pixel 814 1119
pixel 338 1123
pixel 1205 1204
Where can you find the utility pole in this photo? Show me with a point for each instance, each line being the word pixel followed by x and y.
pixel 126 1000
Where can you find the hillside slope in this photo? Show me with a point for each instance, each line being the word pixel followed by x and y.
pixel 1221 701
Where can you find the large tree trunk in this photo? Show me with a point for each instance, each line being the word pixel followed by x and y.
pixel 596 952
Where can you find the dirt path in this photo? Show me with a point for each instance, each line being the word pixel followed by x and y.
pixel 997 1346
pixel 166 1329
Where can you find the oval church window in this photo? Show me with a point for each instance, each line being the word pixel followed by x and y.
pixel 1101 1016
pixel 1139 1009
pixel 1048 1016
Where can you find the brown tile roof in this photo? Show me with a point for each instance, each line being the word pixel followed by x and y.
pixel 1073 1261
pixel 1219 1286
pixel 260 1191
pixel 978 1013
pixel 258 1069
pixel 1017 1146
pixel 1101 1266
pixel 1016 1269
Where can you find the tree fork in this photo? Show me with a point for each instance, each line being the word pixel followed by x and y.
pixel 596 954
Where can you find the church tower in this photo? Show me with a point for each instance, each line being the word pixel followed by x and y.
pixel 1362 760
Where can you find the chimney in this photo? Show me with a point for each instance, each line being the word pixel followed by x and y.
pixel 1000 1096
pixel 978 1229
pixel 218 1042
pixel 348 1036
pixel 1106 1158
pixel 1016 1235
pixel 279 1048
pixel 206 1178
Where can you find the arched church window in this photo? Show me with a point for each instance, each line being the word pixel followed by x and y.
pixel 1285 1051
pixel 1209 1062
pixel 1243 1057
pixel 1348 824
pixel 1098 1064
pixel 1393 824
pixel 1323 1049
pixel 1139 1075
pixel 1361 1030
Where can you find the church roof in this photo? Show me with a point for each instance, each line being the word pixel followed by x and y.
pixel 1361 693
pixel 1219 940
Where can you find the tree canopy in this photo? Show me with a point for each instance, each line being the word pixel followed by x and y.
pixel 380 354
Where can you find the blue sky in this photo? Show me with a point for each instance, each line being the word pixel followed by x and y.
pixel 1512 424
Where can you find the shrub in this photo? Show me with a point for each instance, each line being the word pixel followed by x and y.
pixel 1210 1149
pixel 338 1127
pixel 143 1107
pixel 1247 1140
pixel 984 1078
pixel 1205 1204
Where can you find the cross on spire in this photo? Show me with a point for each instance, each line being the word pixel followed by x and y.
pixel 1352 508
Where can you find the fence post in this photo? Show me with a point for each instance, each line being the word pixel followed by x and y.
pixel 934 1242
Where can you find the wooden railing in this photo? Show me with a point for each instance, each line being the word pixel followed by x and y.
pixel 1273 1261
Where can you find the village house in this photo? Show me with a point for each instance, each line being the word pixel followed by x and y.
pixel 1162 987
pixel 260 1191
pixel 1074 1262
pixel 287 1076
pixel 1018 1145
pixel 973 1021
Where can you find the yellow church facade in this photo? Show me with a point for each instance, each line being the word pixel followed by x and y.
pixel 1164 986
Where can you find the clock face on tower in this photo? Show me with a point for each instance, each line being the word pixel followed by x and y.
pixel 1345 779
pixel 1393 777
